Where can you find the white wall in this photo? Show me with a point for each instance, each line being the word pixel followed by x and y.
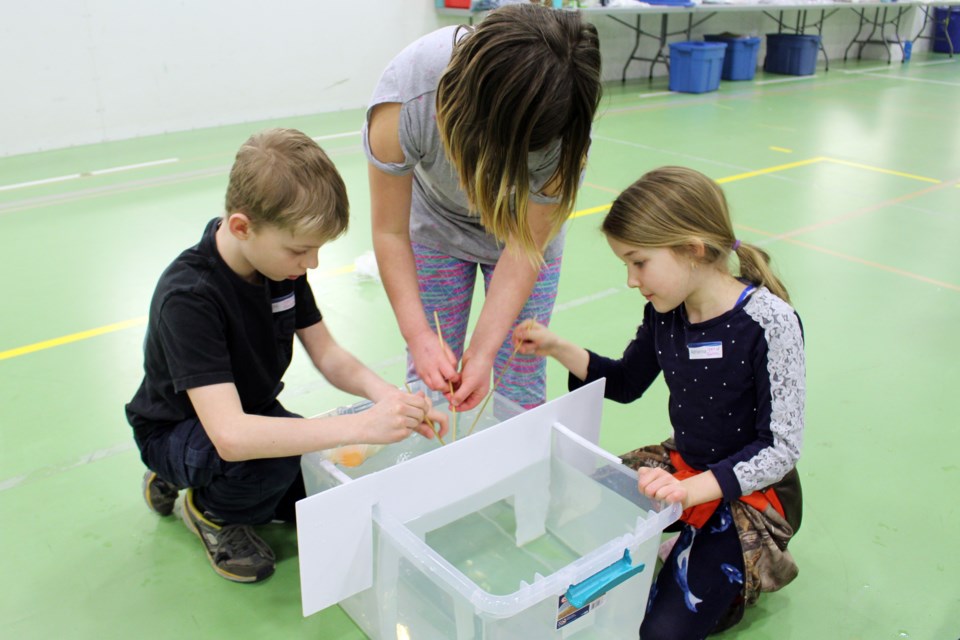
pixel 84 71
pixel 80 71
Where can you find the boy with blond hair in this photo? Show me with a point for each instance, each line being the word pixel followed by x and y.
pixel 206 417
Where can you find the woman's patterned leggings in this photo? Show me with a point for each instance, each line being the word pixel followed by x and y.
pixel 446 286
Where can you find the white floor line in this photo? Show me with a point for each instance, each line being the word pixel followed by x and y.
pixel 19 205
pixel 909 79
pixel 895 65
pixel 47 472
pixel 930 63
pixel 576 302
pixel 130 167
pixel 655 94
pixel 336 135
pixel 32 202
pixel 782 80
pixel 97 172
pixel 867 69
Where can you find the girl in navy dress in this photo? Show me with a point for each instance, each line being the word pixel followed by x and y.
pixel 731 353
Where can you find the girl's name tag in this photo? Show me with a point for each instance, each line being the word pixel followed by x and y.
pixel 705 350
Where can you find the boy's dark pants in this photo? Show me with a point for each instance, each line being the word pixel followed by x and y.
pixel 248 492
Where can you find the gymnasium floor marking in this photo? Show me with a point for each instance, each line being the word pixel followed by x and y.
pixel 774 169
pixel 893 66
pixel 333 136
pixel 600 187
pixel 688 100
pixel 938 184
pixel 891 172
pixel 125 324
pixel 890 67
pixel 863 211
pixel 661 151
pixel 108 190
pixel 124 447
pixel 137 185
pixel 576 302
pixel 46 472
pixel 653 94
pixel 909 79
pixel 73 337
pixel 87 174
pixel 849 258
pixel 784 80
pixel 781 149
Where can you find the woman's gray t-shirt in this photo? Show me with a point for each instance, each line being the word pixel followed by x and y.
pixel 439 215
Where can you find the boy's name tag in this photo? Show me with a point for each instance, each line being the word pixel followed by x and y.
pixel 285 303
pixel 705 350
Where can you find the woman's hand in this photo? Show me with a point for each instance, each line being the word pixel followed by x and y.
pixel 436 366
pixel 474 383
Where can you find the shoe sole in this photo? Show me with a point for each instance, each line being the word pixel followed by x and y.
pixel 147 482
pixel 188 521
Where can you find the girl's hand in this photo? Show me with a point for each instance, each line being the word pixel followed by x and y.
pixel 659 484
pixel 534 338
pixel 435 366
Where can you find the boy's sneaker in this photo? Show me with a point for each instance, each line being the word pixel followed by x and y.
pixel 235 551
pixel 159 494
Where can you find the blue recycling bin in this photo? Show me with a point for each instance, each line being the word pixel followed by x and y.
pixel 695 67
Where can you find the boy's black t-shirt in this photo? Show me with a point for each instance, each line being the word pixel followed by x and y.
pixel 207 326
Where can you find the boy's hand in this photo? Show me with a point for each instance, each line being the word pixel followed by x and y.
pixel 440 421
pixel 534 338
pixel 659 484
pixel 435 366
pixel 395 416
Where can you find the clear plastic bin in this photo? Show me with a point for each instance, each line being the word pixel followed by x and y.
pixel 526 530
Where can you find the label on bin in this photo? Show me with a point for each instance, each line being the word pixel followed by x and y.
pixel 567 613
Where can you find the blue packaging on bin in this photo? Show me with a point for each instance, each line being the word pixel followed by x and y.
pixel 695 66
pixel 740 59
pixel 791 54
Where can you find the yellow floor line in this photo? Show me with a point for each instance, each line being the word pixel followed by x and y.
pixel 73 337
pixel 590 211
pixel 781 149
pixel 763 172
pixel 891 172
pixel 119 326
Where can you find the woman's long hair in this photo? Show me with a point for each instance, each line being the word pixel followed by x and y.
pixel 526 78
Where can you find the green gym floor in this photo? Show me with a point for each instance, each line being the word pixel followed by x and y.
pixel 849 178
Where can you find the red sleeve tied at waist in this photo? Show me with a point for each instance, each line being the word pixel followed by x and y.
pixel 698 515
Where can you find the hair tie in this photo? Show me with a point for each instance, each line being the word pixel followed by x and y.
pixel 736 245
